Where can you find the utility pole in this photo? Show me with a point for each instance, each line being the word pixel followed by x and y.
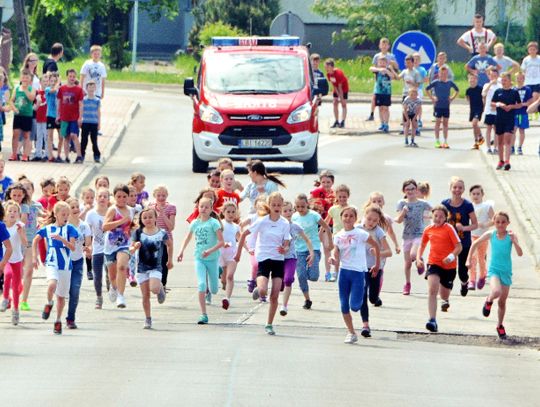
pixel 134 38
pixel 23 38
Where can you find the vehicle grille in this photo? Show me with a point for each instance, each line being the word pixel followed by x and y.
pixel 254 151
pixel 231 135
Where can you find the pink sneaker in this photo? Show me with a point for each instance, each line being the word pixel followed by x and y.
pixel 481 283
pixel 472 285
pixel 407 289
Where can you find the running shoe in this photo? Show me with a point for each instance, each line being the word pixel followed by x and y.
pixel 351 338
pixel 132 281
pixel 147 323
pixel 500 165
pixel 89 275
pixel 99 303
pixel 57 328
pixel 225 303
pixel 378 303
pixel 269 329
pixel 489 150
pixel 481 140
pixel 342 124
pixel 4 305
pixel 335 125
pixel 445 146
pixel 307 304
pixel 251 284
pixel 208 297
pixel 401 132
pixel 417 132
pixel 420 270
pixel 370 118
pixel 475 146
pixel 464 289
pixel 481 283
pixel 406 141
pixel 333 277
pixel 486 309
pixel 25 306
pixel 47 311
pixel 520 151
pixel 262 298
pixel 513 150
pixel 327 276
pixel 15 317
pixel 407 289
pixel 366 332
pixel 414 145
pixel 472 285
pixel 203 319
pixel 161 295
pixel 386 128
pixel 420 124
pixel 495 151
pixel 438 144
pixel 445 305
pixel 283 311
pixel 120 301
pixel 13 157
pixel 431 325
pixel 501 332
pixel 25 158
pixel 507 167
pixel 71 324
pixel 79 160
pixel 36 159
pixel 113 294
pixel 381 127
pixel 255 294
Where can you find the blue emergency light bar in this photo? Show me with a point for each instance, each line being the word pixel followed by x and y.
pixel 285 41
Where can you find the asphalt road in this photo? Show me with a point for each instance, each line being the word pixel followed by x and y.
pixel 111 361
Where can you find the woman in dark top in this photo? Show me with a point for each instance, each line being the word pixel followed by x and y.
pixel 462 217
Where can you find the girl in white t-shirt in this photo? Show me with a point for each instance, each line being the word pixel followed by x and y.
pixel 350 250
pixel 231 234
pixel 273 241
pixel 484 213
pixel 13 269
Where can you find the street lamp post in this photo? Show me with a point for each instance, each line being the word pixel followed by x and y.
pixel 134 38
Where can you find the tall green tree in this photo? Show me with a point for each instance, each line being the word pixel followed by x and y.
pixel 251 16
pixel 369 20
pixel 533 22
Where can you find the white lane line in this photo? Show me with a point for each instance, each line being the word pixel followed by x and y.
pixel 324 141
pixel 249 314
pixel 461 165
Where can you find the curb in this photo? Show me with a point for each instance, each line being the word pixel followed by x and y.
pixel 530 235
pixel 90 172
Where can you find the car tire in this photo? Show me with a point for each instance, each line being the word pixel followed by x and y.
pixel 198 165
pixel 311 166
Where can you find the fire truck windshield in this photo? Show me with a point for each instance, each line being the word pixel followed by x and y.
pixel 254 73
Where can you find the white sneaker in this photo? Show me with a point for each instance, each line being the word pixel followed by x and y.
pixel 113 294
pixel 120 301
pixel 15 317
pixel 161 295
pixel 4 305
pixel 208 298
pixel 351 338
pixel 283 311
pixel 148 323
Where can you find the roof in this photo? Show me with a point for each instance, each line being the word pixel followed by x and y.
pixel 303 9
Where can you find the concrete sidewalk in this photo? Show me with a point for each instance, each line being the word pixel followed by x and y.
pixel 117 112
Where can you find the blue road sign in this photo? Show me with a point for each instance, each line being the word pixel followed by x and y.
pixel 414 41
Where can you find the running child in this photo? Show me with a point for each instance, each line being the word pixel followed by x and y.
pixel 21 103
pixel 226 163
pixel 423 192
pixel 477 261
pixel 261 183
pixel 88 199
pixel 462 217
pixel 411 212
pixel 309 221
pixel 442 97
pixel 291 257
pixel 208 233
pixel 5 246
pixel 522 117
pixel 13 268
pixel 95 218
pixel 412 106
pixel 82 249
pixel 374 223
pixel 500 266
pixel 150 241
pixel 444 248
pixel 138 180
pixel 273 241
pixel 17 192
pixel 507 101
pixel 488 90
pixel 231 234
pixel 102 182
pixel 377 198
pixel 117 228
pixel 350 246
pixel 209 193
pixel 214 179
pixel 342 193
pixel 166 220
pixel 476 108
pixel 61 193
pixel 226 192
pixel 384 74
pixel 60 237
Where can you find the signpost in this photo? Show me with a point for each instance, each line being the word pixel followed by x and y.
pixel 414 41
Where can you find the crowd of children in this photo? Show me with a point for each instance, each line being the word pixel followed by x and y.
pixel 125 235
pixel 46 105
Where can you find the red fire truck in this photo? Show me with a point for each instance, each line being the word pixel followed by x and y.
pixel 255 98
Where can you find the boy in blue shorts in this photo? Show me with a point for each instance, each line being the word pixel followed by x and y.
pixel 476 107
pixel 384 74
pixel 442 97
pixel 522 117
pixel 70 98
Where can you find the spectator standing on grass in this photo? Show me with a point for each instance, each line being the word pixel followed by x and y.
pixel 51 63
pixel 481 64
pixel 471 39
pixel 94 69
pixel 341 91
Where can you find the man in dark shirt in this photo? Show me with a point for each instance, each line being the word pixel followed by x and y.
pixel 57 52
pixel 506 100
pixel 476 107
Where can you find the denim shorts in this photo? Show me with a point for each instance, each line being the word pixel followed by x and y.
pixel 111 258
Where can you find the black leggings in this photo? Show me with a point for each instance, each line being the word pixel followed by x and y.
pixel 463 270
pixel 97 268
pixel 164 269
pixel 372 289
pixel 92 129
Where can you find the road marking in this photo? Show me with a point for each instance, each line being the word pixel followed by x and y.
pixel 141 160
pixel 461 165
pixel 414 164
pixel 249 314
pixel 232 374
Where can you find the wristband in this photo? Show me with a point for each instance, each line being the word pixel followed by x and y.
pixel 451 257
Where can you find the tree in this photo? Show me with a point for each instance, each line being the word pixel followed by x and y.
pixel 218 29
pixel 23 39
pixel 369 20
pixel 533 22
pixel 251 16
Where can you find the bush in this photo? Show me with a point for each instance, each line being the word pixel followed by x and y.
pixel 218 29
pixel 116 51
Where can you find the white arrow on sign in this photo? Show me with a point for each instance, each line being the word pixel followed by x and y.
pixel 424 58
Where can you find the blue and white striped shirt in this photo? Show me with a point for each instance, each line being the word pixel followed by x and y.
pixel 90 110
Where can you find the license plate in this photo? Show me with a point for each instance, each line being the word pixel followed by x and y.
pixel 255 143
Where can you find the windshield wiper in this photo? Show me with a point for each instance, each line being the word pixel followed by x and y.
pixel 254 91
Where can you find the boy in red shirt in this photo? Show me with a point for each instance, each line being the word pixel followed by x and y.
pixel 341 91
pixel 70 98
